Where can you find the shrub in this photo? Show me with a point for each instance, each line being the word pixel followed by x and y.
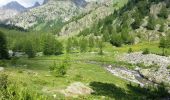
pixel 3 63
pixel 168 67
pixel 146 51
pixel 58 70
pixel 130 50
pixel 14 61
pixel 116 40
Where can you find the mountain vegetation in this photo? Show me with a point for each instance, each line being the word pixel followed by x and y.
pixel 86 50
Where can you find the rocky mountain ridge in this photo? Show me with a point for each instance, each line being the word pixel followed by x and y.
pixel 12 9
pixel 55 11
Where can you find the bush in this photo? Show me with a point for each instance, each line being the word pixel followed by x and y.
pixel 168 67
pixel 14 61
pixel 58 70
pixel 116 40
pixel 3 63
pixel 130 50
pixel 146 51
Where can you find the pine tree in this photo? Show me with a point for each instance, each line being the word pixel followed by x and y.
pixel 151 23
pixel 116 40
pixel 83 44
pixel 69 45
pixel 91 42
pixel 3 47
pixel 100 46
pixel 30 50
pixel 52 46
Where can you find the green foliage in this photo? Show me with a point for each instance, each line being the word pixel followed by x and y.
pixel 138 19
pixel 142 65
pixel 130 50
pixel 69 45
pixel 3 63
pixel 58 70
pixel 91 42
pixel 168 67
pixel 164 43
pixel 3 81
pixel 29 50
pixel 162 28
pixel 11 91
pixel 52 46
pixel 116 40
pixel 3 47
pixel 14 61
pixel 100 44
pixel 83 44
pixel 164 12
pixel 151 23
pixel 146 51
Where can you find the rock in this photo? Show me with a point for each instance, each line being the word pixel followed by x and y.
pixel 1 69
pixel 76 89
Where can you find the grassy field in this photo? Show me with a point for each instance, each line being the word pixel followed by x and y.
pixel 83 67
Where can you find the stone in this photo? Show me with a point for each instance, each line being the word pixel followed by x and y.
pixel 1 69
pixel 76 89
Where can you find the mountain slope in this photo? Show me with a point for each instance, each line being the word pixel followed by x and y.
pixel 54 11
pixel 12 9
pixel 14 6
pixel 138 20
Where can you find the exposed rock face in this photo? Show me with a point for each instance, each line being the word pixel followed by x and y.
pixel 160 75
pixel 12 9
pixel 7 14
pixel 63 11
pixel 105 9
pixel 14 6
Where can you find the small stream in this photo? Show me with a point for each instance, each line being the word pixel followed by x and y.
pixel 129 75
pixel 121 72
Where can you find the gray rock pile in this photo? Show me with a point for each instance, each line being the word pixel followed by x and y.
pixel 160 75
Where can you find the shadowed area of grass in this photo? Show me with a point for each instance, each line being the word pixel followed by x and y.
pixel 134 92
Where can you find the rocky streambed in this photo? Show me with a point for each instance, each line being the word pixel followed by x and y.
pixel 155 74
pixel 129 75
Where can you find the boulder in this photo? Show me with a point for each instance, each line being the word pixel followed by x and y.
pixel 76 89
pixel 1 69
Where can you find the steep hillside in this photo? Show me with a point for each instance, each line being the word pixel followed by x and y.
pixel 13 9
pixel 137 20
pixel 53 12
pixel 88 19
